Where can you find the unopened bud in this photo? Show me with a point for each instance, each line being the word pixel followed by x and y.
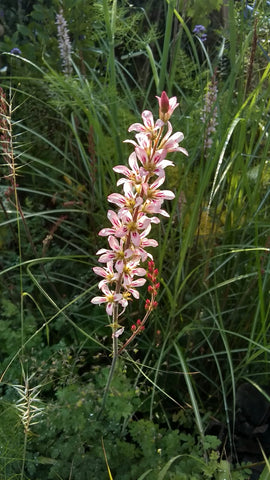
pixel 147 304
pixel 151 266
pixel 164 103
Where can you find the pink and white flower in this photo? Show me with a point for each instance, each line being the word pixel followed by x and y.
pixel 155 163
pixel 118 229
pixel 132 286
pixel 110 298
pixel 135 225
pixel 118 253
pixel 108 274
pixel 131 270
pixel 127 202
pixel 149 127
pixel 170 142
pixel 134 176
pixel 137 207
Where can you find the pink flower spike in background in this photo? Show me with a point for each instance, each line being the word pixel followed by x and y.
pixel 136 209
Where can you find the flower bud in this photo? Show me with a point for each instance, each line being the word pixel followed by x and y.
pixel 147 304
pixel 164 103
pixel 151 266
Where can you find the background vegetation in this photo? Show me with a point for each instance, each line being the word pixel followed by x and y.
pixel 192 393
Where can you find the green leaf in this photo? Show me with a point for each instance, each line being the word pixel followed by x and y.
pixel 144 475
pixel 164 470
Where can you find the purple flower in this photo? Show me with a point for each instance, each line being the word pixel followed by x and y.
pixel 199 30
pixel 16 51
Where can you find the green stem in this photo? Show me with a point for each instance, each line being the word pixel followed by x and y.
pixel 166 45
pixel 24 455
pixel 153 65
pixel 110 30
pixel 114 358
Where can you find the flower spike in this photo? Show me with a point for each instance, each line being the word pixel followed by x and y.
pixel 136 209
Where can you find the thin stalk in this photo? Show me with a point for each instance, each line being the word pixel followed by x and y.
pixel 166 45
pixel 153 66
pixel 24 455
pixel 232 30
pixel 191 391
pixel 110 29
pixel 114 356
pixel 10 160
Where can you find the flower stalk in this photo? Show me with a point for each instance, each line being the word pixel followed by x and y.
pixel 209 115
pixel 137 208
pixel 64 43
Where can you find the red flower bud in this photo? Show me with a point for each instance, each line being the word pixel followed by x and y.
pixel 147 304
pixel 133 328
pixel 164 103
pixel 151 266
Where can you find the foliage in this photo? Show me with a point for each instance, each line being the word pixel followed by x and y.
pixel 133 446
pixel 199 12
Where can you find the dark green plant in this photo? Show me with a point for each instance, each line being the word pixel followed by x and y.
pixel 68 438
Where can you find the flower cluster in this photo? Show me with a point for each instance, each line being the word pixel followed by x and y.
pixel 137 209
pixel 15 51
pixel 209 113
pixel 64 42
pixel 200 30
pixel 153 287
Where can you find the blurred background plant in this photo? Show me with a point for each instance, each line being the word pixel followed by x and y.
pixel 174 409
